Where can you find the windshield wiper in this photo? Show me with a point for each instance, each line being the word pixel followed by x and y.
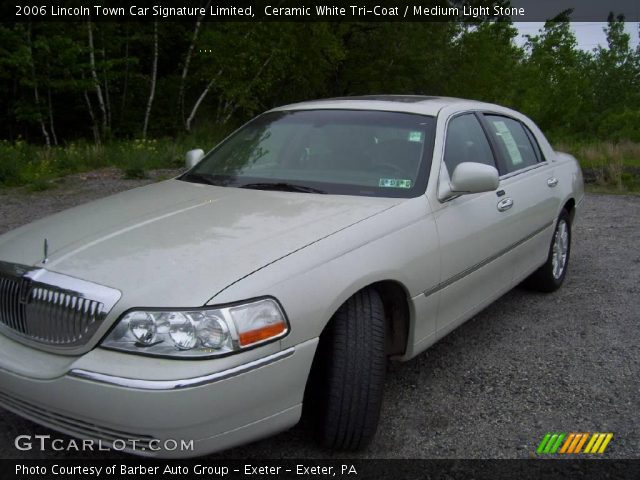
pixel 282 186
pixel 200 178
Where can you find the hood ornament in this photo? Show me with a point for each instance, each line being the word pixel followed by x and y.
pixel 46 251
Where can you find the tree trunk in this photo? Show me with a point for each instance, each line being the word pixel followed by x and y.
pixel 123 103
pixel 94 76
pixel 154 73
pixel 231 111
pixel 94 125
pixel 196 106
pixel 51 127
pixel 187 61
pixel 36 95
pixel 106 87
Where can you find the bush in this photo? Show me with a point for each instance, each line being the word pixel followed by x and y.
pixel 36 166
pixel 620 126
pixel 609 164
pixel 9 165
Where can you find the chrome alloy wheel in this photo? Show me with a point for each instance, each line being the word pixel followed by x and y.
pixel 560 249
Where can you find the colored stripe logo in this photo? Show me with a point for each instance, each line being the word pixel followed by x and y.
pixel 573 443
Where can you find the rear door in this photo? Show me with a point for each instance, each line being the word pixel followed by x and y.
pixel 475 230
pixel 528 181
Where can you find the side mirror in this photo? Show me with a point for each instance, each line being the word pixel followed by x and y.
pixel 471 177
pixel 193 157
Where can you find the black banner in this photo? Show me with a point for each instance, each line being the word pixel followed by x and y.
pixel 316 10
pixel 319 469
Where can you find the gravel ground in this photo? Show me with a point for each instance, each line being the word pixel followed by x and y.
pixel 528 364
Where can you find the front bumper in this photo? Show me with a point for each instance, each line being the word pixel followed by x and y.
pixel 209 412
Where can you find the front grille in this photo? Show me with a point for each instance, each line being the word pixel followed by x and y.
pixel 50 308
pixel 72 426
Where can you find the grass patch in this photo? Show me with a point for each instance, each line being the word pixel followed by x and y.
pixel 608 166
pixel 609 190
pixel 36 166
pixel 135 173
pixel 40 185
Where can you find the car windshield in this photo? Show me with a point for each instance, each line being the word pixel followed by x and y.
pixel 351 152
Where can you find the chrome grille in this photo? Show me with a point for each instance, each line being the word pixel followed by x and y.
pixel 12 312
pixel 50 308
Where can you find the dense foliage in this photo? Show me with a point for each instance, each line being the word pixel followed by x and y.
pixel 62 82
pixel 85 95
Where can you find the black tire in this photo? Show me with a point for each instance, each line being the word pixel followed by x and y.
pixel 345 388
pixel 548 278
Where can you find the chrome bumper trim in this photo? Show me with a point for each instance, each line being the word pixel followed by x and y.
pixel 183 383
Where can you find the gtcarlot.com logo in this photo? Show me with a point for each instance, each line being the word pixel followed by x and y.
pixel 573 443
pixel 45 442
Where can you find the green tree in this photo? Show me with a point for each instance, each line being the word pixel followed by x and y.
pixel 616 83
pixel 486 63
pixel 554 84
pixel 411 57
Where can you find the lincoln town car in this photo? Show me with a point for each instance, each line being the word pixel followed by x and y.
pixel 280 273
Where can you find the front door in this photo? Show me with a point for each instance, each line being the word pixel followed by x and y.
pixel 475 232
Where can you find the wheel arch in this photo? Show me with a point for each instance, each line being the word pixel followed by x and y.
pixel 570 206
pixel 397 308
pixel 397 315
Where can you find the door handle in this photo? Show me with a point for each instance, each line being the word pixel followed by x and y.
pixel 505 204
pixel 552 182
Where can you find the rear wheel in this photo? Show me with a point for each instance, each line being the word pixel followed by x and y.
pixel 346 384
pixel 549 277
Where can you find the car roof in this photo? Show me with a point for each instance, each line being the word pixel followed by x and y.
pixel 426 105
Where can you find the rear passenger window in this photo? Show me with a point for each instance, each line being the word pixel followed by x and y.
pixel 513 142
pixel 534 142
pixel 466 142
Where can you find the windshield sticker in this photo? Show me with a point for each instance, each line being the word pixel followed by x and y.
pixel 394 183
pixel 509 142
pixel 415 136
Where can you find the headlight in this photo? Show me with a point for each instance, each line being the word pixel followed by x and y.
pixel 198 332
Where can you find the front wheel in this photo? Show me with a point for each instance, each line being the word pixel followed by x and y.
pixel 549 277
pixel 346 384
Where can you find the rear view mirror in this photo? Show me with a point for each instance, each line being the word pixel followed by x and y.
pixel 193 157
pixel 471 177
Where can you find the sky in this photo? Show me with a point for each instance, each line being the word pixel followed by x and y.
pixel 588 34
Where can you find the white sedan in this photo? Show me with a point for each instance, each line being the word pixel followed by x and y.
pixel 283 269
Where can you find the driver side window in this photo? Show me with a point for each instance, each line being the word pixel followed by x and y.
pixel 466 142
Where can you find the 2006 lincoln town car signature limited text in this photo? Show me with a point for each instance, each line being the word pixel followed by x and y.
pixel 282 269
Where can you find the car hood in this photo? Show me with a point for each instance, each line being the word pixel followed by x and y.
pixel 178 244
